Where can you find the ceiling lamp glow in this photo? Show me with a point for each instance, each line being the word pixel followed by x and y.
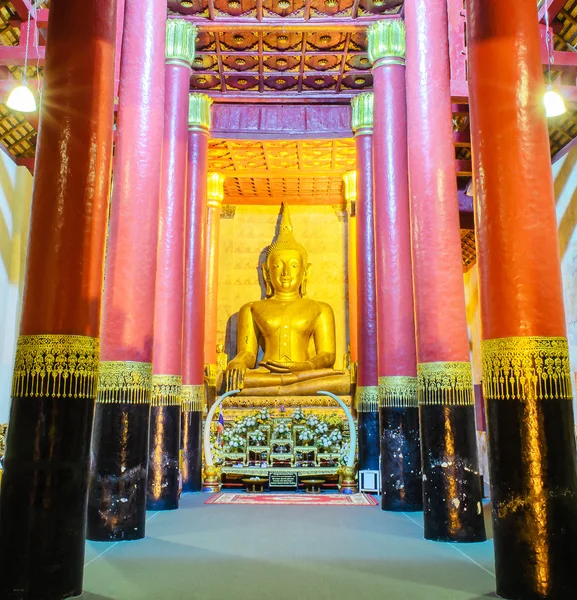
pixel 21 99
pixel 554 103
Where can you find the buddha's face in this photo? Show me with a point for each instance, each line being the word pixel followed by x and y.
pixel 287 270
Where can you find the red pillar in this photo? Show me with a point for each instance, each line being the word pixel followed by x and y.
pixel 367 391
pixel 117 494
pixel 451 482
pixel 43 507
pixel 193 393
pixel 399 412
pixel 526 377
pixel 163 465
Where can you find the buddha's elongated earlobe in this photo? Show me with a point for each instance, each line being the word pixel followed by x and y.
pixel 303 289
pixel 266 276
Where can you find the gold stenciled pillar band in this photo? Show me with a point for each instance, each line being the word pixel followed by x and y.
pixel 445 383
pixel 166 390
pixel 124 382
pixel 180 42
pixel 56 366
pixel 398 392
pixel 519 368
pixel 387 42
pixel 192 398
pixel 367 398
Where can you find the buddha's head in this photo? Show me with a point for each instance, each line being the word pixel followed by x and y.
pixel 220 348
pixel 286 268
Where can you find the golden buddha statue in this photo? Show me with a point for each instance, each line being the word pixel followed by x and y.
pixel 287 325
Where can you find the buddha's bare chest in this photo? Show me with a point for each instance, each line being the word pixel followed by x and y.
pixel 278 318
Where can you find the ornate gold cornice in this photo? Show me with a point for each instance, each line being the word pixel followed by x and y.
pixel 350 185
pixel 523 368
pixel 387 42
pixel 367 398
pixel 398 392
pixel 166 390
pixel 192 398
pixel 56 366
pixel 445 383
pixel 362 118
pixel 215 189
pixel 199 111
pixel 124 382
pixel 180 42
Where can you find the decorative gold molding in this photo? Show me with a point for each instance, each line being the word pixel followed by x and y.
pixel 180 42
pixel 56 366
pixel 387 42
pixel 215 189
pixel 398 392
pixel 362 118
pixel 228 211
pixel 166 390
pixel 193 398
pixel 124 382
pixel 445 383
pixel 283 401
pixel 522 368
pixel 199 111
pixel 350 185
pixel 367 398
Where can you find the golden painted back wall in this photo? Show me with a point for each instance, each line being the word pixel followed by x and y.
pixel 322 230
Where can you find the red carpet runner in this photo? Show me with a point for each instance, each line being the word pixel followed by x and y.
pixel 294 499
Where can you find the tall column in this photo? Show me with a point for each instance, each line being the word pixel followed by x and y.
pixel 193 396
pixel 117 493
pixel 350 190
pixel 399 413
pixel 526 378
pixel 164 443
pixel 43 507
pixel 451 482
pixel 215 196
pixel 367 390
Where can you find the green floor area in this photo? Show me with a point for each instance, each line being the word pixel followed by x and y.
pixel 213 552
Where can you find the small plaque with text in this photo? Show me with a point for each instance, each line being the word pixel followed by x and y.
pixel 283 480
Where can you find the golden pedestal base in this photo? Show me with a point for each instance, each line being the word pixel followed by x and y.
pixel 211 482
pixel 348 480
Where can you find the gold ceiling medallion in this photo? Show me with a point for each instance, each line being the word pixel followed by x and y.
pixel 124 382
pixel 319 81
pixel 398 392
pixel 186 4
pixel 283 4
pixel 367 398
pixel 331 3
pixel 166 390
pixel 325 39
pixel 234 4
pixel 282 39
pixel 360 81
pixel 524 368
pixel 240 62
pixel 180 42
pixel 362 118
pixel 199 111
pixel 242 82
pixel 201 80
pixel 323 62
pixel 445 383
pixel 280 81
pixel 238 39
pixel 192 398
pixel 56 366
pixel 386 42
pixel 281 62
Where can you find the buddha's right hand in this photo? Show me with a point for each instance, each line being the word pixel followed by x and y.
pixel 235 375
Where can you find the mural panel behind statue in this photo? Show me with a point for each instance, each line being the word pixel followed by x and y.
pixel 296 333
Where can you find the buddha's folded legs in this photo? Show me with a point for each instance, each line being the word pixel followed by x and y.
pixel 336 382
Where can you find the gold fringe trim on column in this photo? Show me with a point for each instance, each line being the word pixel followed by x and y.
pixel 56 366
pixel 398 392
pixel 445 383
pixel 192 398
pixel 124 382
pixel 367 398
pixel 520 368
pixel 166 390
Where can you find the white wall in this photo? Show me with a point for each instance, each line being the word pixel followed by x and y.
pixel 15 198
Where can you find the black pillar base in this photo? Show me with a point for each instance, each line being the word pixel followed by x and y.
pixel 401 477
pixel 534 494
pixel 117 492
pixel 163 462
pixel 369 441
pixel 452 496
pixel 192 451
pixel 43 498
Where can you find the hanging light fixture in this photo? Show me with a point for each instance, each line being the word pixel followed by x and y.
pixel 21 98
pixel 554 103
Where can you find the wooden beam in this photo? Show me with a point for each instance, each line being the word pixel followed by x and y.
pixel 464 168
pixel 281 97
pixel 23 7
pixel 14 55
pixel 553 6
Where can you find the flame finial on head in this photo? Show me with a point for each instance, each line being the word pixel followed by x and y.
pixel 285 239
